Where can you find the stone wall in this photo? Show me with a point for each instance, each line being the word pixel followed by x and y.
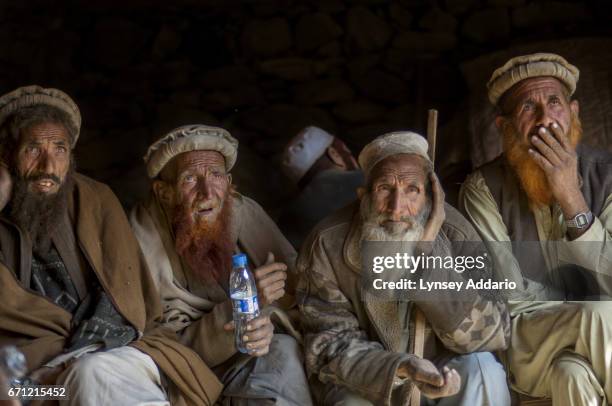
pixel 264 69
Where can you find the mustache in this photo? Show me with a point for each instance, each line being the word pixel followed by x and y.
pixel 370 215
pixel 403 219
pixel 535 130
pixel 413 220
pixel 207 204
pixel 42 176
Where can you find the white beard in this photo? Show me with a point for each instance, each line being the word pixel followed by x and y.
pixel 373 231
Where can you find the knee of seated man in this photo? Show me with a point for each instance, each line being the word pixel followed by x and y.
pixel 89 368
pixel 568 372
pixel 478 364
pixel 600 310
pixel 284 355
pixel 287 347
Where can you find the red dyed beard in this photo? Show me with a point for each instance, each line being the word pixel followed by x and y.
pixel 532 178
pixel 206 248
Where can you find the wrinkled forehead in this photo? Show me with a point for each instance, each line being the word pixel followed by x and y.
pixel 403 166
pixel 47 131
pixel 202 159
pixel 532 88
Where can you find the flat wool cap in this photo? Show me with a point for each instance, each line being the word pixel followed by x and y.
pixel 29 96
pixel 195 137
pixel 531 66
pixel 304 150
pixel 400 142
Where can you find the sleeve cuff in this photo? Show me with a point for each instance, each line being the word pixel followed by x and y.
pixel 577 251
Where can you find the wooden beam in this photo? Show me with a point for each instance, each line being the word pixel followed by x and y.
pixel 419 318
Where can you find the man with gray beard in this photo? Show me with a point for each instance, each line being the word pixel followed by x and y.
pixel 358 346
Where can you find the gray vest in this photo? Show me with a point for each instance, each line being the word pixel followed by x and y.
pixel 595 168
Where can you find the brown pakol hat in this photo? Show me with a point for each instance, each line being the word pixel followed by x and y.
pixel 194 137
pixel 28 96
pixel 529 66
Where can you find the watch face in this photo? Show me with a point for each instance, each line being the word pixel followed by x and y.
pixel 582 220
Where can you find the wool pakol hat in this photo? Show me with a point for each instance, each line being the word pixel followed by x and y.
pixel 399 142
pixel 530 66
pixel 28 96
pixel 195 137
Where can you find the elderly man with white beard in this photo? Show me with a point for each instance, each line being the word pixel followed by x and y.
pixel 359 348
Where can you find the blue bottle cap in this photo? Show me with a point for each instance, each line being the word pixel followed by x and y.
pixel 239 260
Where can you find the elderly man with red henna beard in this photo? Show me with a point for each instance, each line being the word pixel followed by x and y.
pixel 188 229
pixel 545 208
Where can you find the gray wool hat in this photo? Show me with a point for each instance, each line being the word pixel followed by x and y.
pixel 399 142
pixel 188 138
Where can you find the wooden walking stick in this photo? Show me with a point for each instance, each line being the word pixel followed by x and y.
pixel 432 130
pixel 419 317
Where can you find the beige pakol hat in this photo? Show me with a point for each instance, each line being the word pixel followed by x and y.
pixel 304 150
pixel 399 142
pixel 28 96
pixel 530 66
pixel 195 137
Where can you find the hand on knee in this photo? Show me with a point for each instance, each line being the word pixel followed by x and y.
pixel 450 387
pixel 432 382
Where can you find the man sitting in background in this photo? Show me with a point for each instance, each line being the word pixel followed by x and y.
pixel 325 171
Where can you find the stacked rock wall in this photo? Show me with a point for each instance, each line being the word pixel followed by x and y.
pixel 264 69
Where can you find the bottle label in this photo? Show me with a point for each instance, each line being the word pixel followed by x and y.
pixel 246 305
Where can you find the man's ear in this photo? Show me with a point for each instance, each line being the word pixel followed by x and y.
pixel 361 191
pixel 499 122
pixel 575 107
pixel 164 193
pixel 229 178
pixel 336 157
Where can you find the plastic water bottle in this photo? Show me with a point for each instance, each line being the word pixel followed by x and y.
pixel 13 364
pixel 243 292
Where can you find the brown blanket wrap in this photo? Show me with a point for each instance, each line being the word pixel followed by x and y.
pixel 40 328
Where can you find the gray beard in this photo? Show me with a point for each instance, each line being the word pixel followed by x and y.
pixel 372 230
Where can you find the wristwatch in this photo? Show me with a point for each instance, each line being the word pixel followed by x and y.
pixel 581 220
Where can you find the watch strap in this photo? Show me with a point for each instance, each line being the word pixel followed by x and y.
pixel 581 220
